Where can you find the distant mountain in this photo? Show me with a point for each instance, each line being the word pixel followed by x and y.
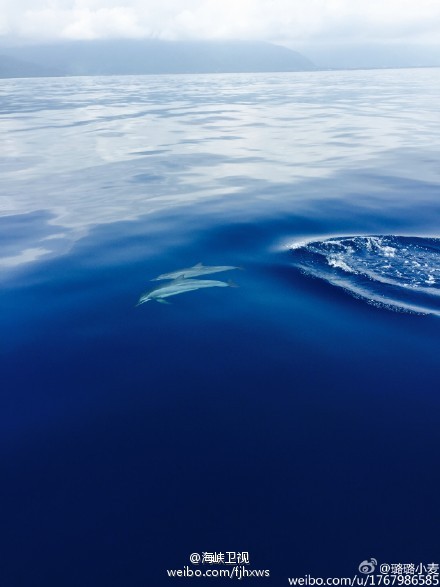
pixel 12 67
pixel 125 57
pixel 374 55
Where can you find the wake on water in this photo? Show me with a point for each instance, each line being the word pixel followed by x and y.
pixel 396 272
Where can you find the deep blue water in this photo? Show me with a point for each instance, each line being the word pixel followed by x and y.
pixel 296 416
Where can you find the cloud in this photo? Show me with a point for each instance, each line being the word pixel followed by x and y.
pixel 284 21
pixel 80 23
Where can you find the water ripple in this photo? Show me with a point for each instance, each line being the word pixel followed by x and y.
pixel 396 272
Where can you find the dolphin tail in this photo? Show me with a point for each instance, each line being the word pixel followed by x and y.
pixel 232 284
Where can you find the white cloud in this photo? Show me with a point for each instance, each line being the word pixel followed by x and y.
pixel 288 21
pixel 103 22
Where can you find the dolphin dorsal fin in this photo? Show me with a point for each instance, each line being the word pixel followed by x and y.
pixel 199 265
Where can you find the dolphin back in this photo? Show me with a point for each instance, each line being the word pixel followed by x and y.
pixel 195 271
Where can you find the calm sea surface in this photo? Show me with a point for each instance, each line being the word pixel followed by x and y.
pixel 294 417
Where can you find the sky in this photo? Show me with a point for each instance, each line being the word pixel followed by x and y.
pixel 294 23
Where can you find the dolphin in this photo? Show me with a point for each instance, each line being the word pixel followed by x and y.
pixel 198 269
pixel 179 286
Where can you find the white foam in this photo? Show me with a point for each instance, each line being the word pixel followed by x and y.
pixel 390 271
pixel 337 262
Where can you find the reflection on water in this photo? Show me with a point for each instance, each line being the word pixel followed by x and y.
pixel 98 150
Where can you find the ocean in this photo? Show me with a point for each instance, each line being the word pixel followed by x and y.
pixel 290 413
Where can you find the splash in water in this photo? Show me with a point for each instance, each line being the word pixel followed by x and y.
pixel 400 273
